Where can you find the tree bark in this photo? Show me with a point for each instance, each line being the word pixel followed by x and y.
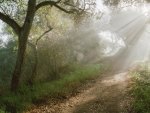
pixel 34 71
pixel 19 63
pixel 23 37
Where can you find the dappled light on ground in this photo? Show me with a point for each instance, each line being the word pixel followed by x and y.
pixel 107 95
pixel 121 77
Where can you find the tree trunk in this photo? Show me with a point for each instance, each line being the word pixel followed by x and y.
pixel 34 71
pixel 19 63
pixel 23 37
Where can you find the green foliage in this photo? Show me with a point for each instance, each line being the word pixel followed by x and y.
pixel 7 62
pixel 141 91
pixel 1 111
pixel 67 85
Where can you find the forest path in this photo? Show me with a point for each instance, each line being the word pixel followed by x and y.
pixel 109 94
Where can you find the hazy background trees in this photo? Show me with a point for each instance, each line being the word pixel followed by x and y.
pixel 57 39
pixel 53 51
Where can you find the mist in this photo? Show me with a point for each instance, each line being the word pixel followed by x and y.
pixel 123 35
pixel 71 54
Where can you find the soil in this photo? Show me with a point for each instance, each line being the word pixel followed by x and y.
pixel 108 94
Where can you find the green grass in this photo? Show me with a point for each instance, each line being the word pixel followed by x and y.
pixel 61 88
pixel 141 90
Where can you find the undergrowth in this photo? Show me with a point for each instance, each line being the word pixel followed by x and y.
pixel 141 89
pixel 27 96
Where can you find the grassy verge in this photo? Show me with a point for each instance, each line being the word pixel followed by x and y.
pixel 141 90
pixel 67 85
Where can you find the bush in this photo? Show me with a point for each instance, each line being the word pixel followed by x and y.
pixel 61 88
pixel 141 91
pixel 7 63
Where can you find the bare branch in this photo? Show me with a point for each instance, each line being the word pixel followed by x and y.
pixel 80 5
pixel 46 3
pixel 12 23
pixel 43 35
pixel 52 3
pixel 66 11
pixel 39 38
pixel 67 2
pixel 3 10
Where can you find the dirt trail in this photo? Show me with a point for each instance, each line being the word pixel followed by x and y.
pixel 107 95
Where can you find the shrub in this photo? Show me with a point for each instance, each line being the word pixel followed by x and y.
pixel 60 88
pixel 141 90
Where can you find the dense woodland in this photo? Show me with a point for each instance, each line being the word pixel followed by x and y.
pixel 52 48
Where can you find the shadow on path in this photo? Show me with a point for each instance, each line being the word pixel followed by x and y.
pixel 110 96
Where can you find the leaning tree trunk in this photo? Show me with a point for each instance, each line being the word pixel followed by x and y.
pixel 35 50
pixel 34 71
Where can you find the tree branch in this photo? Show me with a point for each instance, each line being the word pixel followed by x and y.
pixel 35 49
pixel 66 11
pixel 2 1
pixel 52 3
pixel 43 35
pixel 12 23
pixel 30 14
